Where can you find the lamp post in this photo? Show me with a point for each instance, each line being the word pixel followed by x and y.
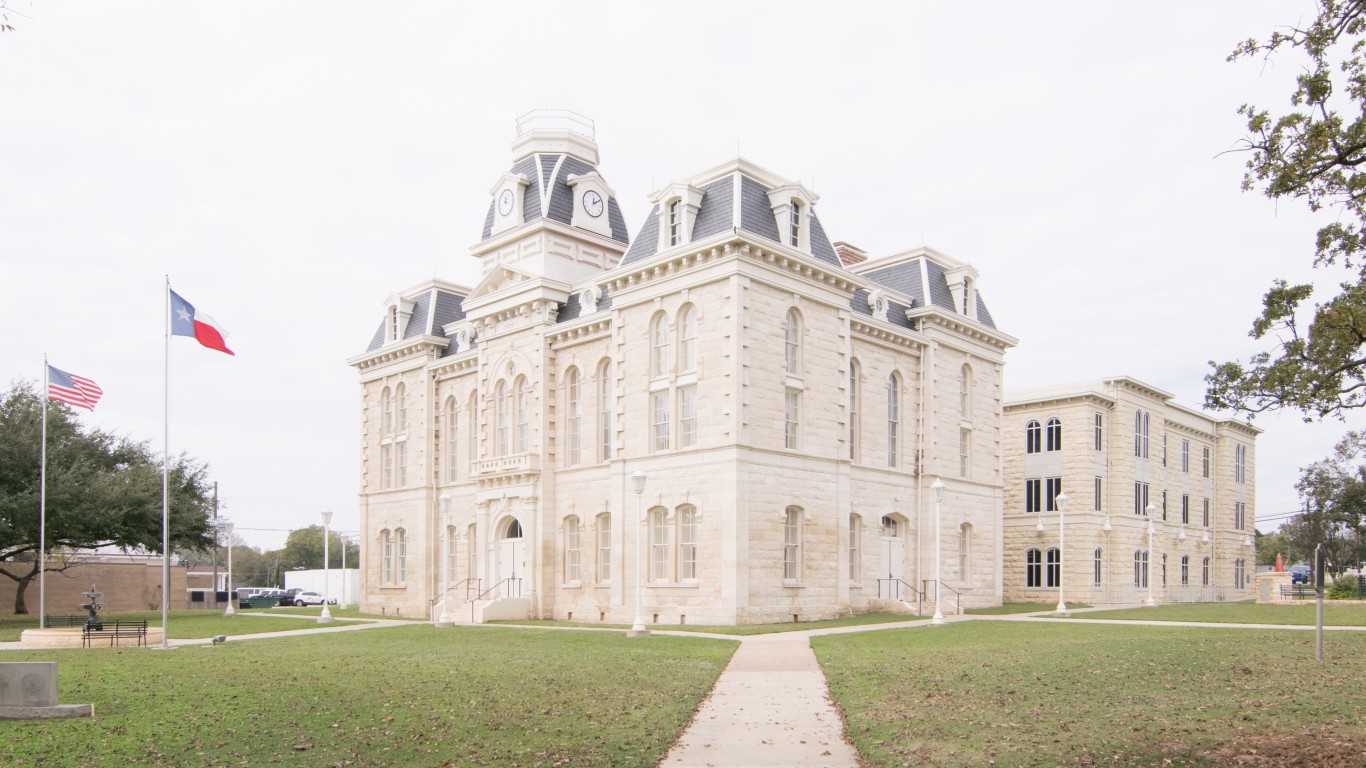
pixel 444 504
pixel 227 529
pixel 638 485
pixel 1062 539
pixel 326 616
pixel 1147 575
pixel 938 490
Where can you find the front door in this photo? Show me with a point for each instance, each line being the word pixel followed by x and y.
pixel 511 560
pixel 893 555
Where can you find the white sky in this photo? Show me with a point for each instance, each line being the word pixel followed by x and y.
pixel 290 164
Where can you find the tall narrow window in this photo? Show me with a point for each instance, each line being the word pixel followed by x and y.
pixel 1164 449
pixel 675 224
pixel 1100 432
pixel 1145 434
pixel 386 414
pixel 393 323
pixel 687 416
pixel 659 544
pixel 1185 509
pixel 1054 435
pixel 659 420
pixel 604 548
pixel 1185 456
pixel 1098 494
pixel 659 346
pixel 401 556
pixel 795 223
pixel 1034 495
pixel 1239 515
pixel 893 418
pixel 1240 463
pixel 401 409
pixel 855 546
pixel 523 411
pixel 1164 571
pixel 687 339
pixel 792 344
pixel 1204 520
pixel 792 544
pixel 964 550
pixel 1204 573
pixel 1052 489
pixel 1033 437
pixel 687 542
pixel 386 453
pixel 571 549
pixel 503 417
pixel 452 421
pixel 1096 561
pixel 573 417
pixel 1053 574
pixel 1033 568
pixel 1138 433
pixel 1185 570
pixel 386 547
pixel 401 462
pixel 1140 568
pixel 965 392
pixel 605 411
pixel 853 410
pixel 1206 473
pixel 964 451
pixel 792 411
pixel 1140 498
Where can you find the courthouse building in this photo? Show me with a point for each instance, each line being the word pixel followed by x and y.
pixel 1161 498
pixel 789 402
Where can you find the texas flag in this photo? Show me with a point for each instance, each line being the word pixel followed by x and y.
pixel 186 322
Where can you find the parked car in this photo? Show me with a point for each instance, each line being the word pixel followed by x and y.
pixel 288 597
pixel 312 598
pixel 1300 574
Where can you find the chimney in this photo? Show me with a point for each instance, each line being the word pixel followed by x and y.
pixel 849 255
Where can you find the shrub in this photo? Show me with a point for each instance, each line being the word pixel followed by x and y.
pixel 1344 588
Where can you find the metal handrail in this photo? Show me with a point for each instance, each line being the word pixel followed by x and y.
pixel 957 596
pixel 431 604
pixel 511 581
pixel 893 589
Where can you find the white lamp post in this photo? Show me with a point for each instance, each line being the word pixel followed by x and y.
pixel 638 485
pixel 938 490
pixel 326 616
pixel 1062 539
pixel 227 529
pixel 444 503
pixel 1148 576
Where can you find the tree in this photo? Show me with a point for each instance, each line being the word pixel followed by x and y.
pixel 1271 544
pixel 1312 153
pixel 1334 492
pixel 304 549
pixel 102 490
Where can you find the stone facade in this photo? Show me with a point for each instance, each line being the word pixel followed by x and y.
pixel 789 413
pixel 1118 447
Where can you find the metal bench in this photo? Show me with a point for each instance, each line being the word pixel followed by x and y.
pixel 114 631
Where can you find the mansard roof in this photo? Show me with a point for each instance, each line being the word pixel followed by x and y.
pixel 920 275
pixel 435 305
pixel 548 182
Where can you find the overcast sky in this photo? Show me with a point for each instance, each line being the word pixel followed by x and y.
pixel 289 164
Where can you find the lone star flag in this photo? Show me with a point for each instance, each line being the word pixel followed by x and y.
pixel 72 389
pixel 186 322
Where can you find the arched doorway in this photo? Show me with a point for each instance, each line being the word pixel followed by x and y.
pixel 893 548
pixel 511 558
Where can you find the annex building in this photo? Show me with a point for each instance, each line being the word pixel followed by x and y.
pixel 1161 499
pixel 788 402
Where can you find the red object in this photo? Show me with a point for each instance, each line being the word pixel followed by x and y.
pixel 185 321
pixel 72 389
pixel 1280 564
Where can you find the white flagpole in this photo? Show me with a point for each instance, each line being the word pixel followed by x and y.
pixel 165 465
pixel 42 506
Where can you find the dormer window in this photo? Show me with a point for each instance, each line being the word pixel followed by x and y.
pixel 393 323
pixel 795 223
pixel 790 204
pixel 397 312
pixel 675 224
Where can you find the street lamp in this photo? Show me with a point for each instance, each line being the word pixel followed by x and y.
pixel 1147 573
pixel 444 504
pixel 1062 539
pixel 227 529
pixel 938 490
pixel 638 485
pixel 326 616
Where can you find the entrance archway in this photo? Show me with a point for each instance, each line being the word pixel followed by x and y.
pixel 511 558
pixel 893 546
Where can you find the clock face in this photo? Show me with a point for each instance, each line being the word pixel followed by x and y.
pixel 505 202
pixel 592 203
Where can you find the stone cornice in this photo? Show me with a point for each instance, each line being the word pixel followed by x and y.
pixel 591 328
pixel 450 367
pixel 963 327
pixel 1094 398
pixel 398 350
pixel 887 334
pixel 719 249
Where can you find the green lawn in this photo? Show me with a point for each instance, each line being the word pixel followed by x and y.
pixel 1334 614
pixel 349 612
pixel 1026 694
pixel 184 624
pixel 1012 608
pixel 400 696
pixel 856 620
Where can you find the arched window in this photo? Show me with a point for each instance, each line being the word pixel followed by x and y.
pixel 401 409
pixel 386 415
pixel 386 548
pixel 605 411
pixel 855 546
pixel 792 544
pixel 1054 572
pixel 1033 568
pixel 1096 562
pixel 452 422
pixel 965 392
pixel 573 416
pixel 604 525
pixel 522 436
pixel 514 529
pixel 687 339
pixel 659 346
pixel 571 549
pixel 687 542
pixel 1185 570
pixel 400 556
pixel 893 418
pixel 792 344
pixel 675 223
pixel 401 461
pixel 659 544
pixel 502 419
pixel 1204 572
pixel 853 409
pixel 795 223
pixel 1033 437
pixel 1140 568
pixel 1054 434
pixel 964 550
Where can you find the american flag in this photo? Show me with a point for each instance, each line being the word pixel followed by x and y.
pixel 72 389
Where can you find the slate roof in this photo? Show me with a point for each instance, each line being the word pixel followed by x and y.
pixel 539 168
pixel 906 278
pixel 573 308
pixel 448 309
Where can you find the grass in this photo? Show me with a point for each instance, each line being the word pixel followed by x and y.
pixel 1006 609
pixel 349 612
pixel 1082 694
pixel 184 624
pixel 400 696
pixel 1334 614
pixel 856 620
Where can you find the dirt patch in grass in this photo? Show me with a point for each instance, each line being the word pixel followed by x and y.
pixel 1319 750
